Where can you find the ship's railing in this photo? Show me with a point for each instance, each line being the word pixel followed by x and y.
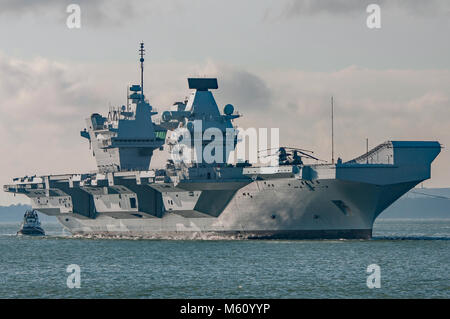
pixel 363 159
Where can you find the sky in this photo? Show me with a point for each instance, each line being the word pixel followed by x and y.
pixel 278 62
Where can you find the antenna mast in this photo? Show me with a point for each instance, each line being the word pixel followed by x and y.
pixel 332 131
pixel 367 150
pixel 142 53
pixel 128 98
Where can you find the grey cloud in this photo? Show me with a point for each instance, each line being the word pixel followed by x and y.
pixel 22 6
pixel 94 12
pixel 38 7
pixel 246 90
pixel 42 95
pixel 249 91
pixel 295 8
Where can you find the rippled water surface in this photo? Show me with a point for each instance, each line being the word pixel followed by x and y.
pixel 414 257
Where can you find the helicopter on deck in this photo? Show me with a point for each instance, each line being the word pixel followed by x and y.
pixel 291 155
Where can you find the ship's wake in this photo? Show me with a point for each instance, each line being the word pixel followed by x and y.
pixel 166 236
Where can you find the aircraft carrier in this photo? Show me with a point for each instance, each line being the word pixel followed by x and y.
pixel 292 199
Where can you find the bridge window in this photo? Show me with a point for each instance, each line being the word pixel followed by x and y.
pixel 132 202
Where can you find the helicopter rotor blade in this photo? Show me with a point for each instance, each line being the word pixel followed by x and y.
pixel 286 148
pixel 310 156
pixel 298 149
pixel 273 148
pixel 290 154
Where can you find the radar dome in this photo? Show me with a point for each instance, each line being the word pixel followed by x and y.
pixel 228 109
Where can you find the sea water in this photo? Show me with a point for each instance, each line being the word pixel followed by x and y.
pixel 413 258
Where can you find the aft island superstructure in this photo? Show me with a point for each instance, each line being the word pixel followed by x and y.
pixel 215 199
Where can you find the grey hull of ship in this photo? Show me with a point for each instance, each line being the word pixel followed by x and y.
pixel 280 209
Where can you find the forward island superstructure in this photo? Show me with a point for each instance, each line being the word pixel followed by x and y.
pixel 214 199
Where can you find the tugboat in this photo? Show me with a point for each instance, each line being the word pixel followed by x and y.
pixel 31 224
